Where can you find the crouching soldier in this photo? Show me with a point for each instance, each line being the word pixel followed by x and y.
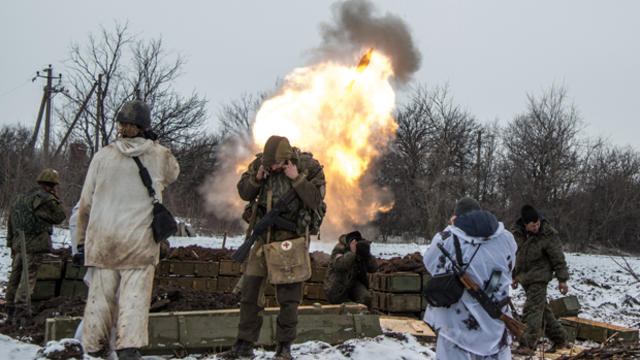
pixel 346 279
pixel 33 213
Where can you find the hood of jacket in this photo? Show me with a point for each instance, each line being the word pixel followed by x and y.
pixel 477 223
pixel 133 146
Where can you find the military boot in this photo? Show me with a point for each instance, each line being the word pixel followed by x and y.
pixel 283 351
pixel 240 349
pixel 100 354
pixel 129 354
pixel 561 345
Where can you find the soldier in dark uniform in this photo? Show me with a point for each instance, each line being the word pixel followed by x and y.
pixel 34 213
pixel 346 279
pixel 539 259
pixel 279 168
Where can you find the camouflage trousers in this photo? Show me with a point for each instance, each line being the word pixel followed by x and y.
pixel 15 292
pixel 288 296
pixel 357 293
pixel 539 318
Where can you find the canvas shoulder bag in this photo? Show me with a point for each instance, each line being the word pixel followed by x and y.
pixel 287 261
pixel 163 224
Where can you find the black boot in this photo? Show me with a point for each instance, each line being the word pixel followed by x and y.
pixel 100 354
pixel 283 351
pixel 129 354
pixel 240 349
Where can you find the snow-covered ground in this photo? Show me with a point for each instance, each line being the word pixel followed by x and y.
pixel 605 291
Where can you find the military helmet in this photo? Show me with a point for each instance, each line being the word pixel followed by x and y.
pixel 277 148
pixel 48 176
pixel 135 112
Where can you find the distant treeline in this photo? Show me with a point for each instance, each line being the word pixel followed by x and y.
pixel 587 188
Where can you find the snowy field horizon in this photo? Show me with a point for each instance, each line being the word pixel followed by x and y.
pixel 605 291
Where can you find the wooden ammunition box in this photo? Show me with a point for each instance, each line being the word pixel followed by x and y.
pixel 399 282
pixel 599 331
pixel 44 290
pixel 314 291
pixel 227 283
pixel 230 268
pixel 565 306
pixel 74 272
pixel 192 330
pixel 207 269
pixel 318 274
pixel 50 270
pixel 72 288
pixel 396 303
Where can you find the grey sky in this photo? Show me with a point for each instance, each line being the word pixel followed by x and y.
pixel 490 53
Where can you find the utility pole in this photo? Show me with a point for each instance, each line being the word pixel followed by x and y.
pixel 45 106
pixel 98 114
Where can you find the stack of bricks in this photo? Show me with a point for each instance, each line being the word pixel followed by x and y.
pixel 398 293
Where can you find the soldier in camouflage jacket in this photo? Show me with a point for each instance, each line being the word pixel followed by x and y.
pixel 346 279
pixel 270 176
pixel 33 213
pixel 538 260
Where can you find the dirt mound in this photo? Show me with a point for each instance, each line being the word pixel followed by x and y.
pixel 410 263
pixel 194 252
pixel 32 330
pixel 175 298
pixel 319 258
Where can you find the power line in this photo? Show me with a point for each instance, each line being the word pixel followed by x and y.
pixel 15 88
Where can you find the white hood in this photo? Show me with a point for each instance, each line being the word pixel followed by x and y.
pixel 133 146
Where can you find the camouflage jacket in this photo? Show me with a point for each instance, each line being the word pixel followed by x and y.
pixel 309 199
pixel 346 269
pixel 34 212
pixel 539 256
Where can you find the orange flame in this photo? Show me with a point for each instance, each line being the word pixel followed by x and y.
pixel 345 128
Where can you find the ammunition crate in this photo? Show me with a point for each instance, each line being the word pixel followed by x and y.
pixel 599 331
pixel 400 282
pixel 227 283
pixel 44 290
pixel 565 306
pixel 314 291
pixel 50 270
pixel 230 268
pixel 318 274
pixel 74 272
pixel 396 303
pixel 73 288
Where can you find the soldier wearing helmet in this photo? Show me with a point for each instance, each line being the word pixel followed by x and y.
pixel 271 175
pixel 34 213
pixel 114 235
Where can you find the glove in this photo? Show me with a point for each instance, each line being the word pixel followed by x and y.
pixel 78 259
pixel 363 248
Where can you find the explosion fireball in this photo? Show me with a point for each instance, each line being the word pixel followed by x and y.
pixel 343 115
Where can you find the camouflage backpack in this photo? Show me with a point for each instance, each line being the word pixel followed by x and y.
pixel 312 218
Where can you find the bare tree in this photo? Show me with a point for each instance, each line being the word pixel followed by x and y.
pixel 126 68
pixel 542 150
pixel 236 117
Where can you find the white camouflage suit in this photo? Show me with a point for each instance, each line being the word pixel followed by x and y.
pixel 465 330
pixel 114 224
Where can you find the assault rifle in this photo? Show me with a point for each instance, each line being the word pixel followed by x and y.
pixel 271 218
pixel 515 327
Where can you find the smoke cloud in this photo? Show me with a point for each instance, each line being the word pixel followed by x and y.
pixel 355 25
pixel 219 190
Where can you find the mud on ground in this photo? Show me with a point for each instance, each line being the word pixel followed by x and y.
pixel 409 263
